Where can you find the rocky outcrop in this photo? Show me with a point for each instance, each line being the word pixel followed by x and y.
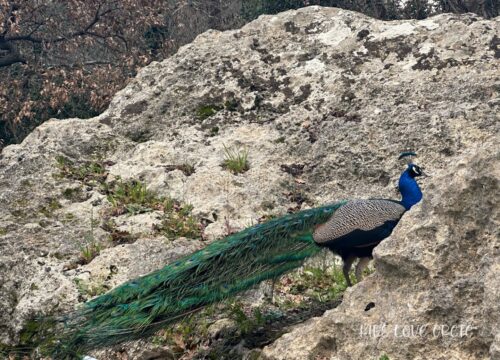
pixel 435 291
pixel 323 100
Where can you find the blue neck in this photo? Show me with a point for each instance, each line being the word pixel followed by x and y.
pixel 409 189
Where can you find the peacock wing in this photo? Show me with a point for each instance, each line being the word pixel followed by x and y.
pixel 359 223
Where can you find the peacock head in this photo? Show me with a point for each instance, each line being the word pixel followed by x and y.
pixel 412 170
pixel 415 170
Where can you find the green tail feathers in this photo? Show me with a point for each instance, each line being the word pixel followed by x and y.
pixel 142 306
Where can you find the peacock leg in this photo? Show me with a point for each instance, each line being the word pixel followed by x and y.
pixel 361 266
pixel 347 267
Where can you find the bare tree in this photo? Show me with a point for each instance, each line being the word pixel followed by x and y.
pixel 485 8
pixel 66 58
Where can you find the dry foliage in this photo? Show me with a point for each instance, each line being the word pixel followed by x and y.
pixel 66 58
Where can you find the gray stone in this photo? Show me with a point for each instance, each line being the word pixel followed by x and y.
pixel 223 328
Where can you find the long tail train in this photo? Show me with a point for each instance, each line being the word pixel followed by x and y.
pixel 142 306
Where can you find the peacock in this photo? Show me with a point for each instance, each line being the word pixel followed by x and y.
pixel 140 307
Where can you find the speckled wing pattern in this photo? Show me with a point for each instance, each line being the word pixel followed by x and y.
pixel 364 215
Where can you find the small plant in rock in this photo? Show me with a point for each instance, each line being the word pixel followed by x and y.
pixel 88 172
pixel 131 197
pixel 187 169
pixel 236 160
pixel 178 221
pixel 246 322
pixel 89 251
pixel 90 247
pixel 214 131
pixel 231 105
pixel 280 140
pixel 317 283
pixel 63 162
pixel 188 334
pixel 268 205
pixel 205 111
pixel 75 194
pixel 34 334
pixel 49 208
pixel 68 217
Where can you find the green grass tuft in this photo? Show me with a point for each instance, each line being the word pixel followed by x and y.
pixel 88 172
pixel 320 284
pixel 74 194
pixel 246 323
pixel 131 197
pixel 188 334
pixel 178 221
pixel 34 334
pixel 236 160
pixel 90 247
pixel 49 208
pixel 205 111
pixel 88 252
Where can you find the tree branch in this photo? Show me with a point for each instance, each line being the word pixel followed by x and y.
pixel 83 64
pixel 83 32
pixel 11 59
pixel 12 55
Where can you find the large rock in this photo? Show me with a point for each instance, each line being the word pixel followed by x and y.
pixel 324 100
pixel 436 290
